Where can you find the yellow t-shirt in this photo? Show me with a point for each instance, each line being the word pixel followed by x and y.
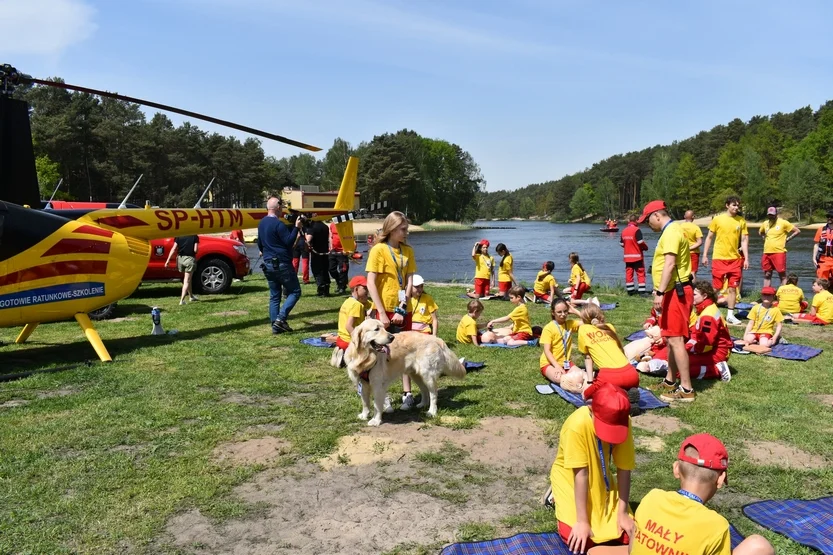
pixel 692 232
pixel 764 319
pixel 553 337
pixel 672 241
pixel 483 266
pixel 667 522
pixel 422 308
pixel 356 309
pixel 602 348
pixel 776 235
pixel 505 266
pixel 390 267
pixel 577 275
pixel 466 328
pixel 727 233
pixel 578 447
pixel 789 298
pixel 823 302
pixel 543 285
pixel 520 319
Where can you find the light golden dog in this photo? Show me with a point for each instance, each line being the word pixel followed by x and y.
pixel 379 358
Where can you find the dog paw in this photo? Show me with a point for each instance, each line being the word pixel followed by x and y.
pixel 363 416
pixel 432 414
pixel 374 422
pixel 422 405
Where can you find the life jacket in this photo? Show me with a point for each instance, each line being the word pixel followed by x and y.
pixel 336 240
pixel 825 243
pixel 631 240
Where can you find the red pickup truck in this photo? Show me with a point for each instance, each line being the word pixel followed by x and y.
pixel 219 260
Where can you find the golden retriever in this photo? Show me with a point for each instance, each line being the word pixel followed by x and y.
pixel 379 358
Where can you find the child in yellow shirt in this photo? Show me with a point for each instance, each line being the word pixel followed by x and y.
pixel 467 331
pixel 579 280
pixel 764 327
pixel 557 341
pixel 521 331
pixel 423 308
pixel 353 311
pixel 790 297
pixel 545 285
pixel 484 270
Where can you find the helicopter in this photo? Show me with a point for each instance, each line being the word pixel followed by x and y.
pixel 58 265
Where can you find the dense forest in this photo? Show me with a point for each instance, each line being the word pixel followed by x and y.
pixel 785 159
pixel 100 146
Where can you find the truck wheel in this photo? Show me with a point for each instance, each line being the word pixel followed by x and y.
pixel 213 276
pixel 103 313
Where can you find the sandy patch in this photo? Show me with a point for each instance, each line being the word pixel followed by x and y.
pixel 652 444
pixel 823 399
pixel 12 403
pixel 232 313
pixel 264 450
pixel 62 392
pixel 772 453
pixel 395 496
pixel 662 425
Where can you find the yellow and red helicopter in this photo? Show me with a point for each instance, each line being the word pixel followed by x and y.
pixel 58 265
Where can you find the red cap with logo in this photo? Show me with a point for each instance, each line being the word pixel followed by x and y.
pixel 485 242
pixel 611 411
pixel 356 281
pixel 711 453
pixel 650 208
pixel 768 291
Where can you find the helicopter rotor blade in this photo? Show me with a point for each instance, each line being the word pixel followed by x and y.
pixel 180 111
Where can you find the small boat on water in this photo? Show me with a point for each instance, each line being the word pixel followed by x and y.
pixel 609 229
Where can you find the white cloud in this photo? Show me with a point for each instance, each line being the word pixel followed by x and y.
pixel 44 27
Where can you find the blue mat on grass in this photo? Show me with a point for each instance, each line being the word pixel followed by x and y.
pixel 531 544
pixel 793 351
pixel 530 343
pixel 317 342
pixel 743 306
pixel 608 306
pixel 473 365
pixel 636 335
pixel 647 400
pixel 808 522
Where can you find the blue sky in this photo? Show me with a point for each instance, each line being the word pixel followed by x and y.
pixel 533 89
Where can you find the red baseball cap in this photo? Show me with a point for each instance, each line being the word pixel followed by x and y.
pixel 711 453
pixel 768 291
pixel 650 208
pixel 485 242
pixel 357 280
pixel 611 410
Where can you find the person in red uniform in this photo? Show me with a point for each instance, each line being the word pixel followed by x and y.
pixel 823 249
pixel 634 245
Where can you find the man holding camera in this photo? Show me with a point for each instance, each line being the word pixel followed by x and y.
pixel 673 297
pixel 276 240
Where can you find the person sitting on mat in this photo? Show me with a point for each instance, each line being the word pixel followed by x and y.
pixel 545 285
pixel 790 297
pixel 521 331
pixel 679 521
pixel 591 500
pixel 467 331
pixel 764 327
pixel 821 309
pixel 557 341
pixel 598 341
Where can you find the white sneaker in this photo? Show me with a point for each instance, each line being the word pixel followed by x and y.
pixel 408 402
pixel 182 302
pixel 194 298
pixel 595 301
pixel 388 407
pixel 733 320
pixel 723 368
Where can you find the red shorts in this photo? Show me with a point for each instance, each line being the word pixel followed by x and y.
pixel 543 296
pixel 564 532
pixel 695 262
pixel 758 336
pixel 726 269
pixel 625 377
pixel 406 325
pixel 504 286
pixel 544 368
pixel 341 344
pixel 810 318
pixel 579 290
pixel 521 336
pixel 825 269
pixel 774 261
pixel 481 287
pixel 673 322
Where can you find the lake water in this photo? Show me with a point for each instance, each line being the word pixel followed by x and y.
pixel 446 255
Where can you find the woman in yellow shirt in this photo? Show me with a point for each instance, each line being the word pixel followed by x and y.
pixel 600 345
pixel 505 271
pixel 557 341
pixel 545 285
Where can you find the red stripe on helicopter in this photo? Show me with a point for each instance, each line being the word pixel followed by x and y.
pixel 78 246
pixel 56 269
pixel 92 230
pixel 121 222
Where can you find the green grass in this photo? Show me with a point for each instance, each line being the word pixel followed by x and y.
pixel 102 455
pixel 444 225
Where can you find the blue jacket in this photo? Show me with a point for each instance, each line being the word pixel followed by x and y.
pixel 275 239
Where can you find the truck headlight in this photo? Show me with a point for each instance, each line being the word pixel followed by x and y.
pixel 240 249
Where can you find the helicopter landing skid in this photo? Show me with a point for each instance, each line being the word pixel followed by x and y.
pixel 89 331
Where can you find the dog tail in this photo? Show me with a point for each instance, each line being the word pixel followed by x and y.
pixel 453 366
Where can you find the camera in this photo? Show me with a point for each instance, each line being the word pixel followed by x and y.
pixel 680 289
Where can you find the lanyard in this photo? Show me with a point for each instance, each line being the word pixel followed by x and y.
pixel 762 320
pixel 602 459
pixel 565 337
pixel 399 266
pixel 666 225
pixel 690 495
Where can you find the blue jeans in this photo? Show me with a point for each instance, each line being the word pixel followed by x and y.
pixel 282 279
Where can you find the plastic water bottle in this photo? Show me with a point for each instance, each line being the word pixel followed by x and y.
pixel 156 316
